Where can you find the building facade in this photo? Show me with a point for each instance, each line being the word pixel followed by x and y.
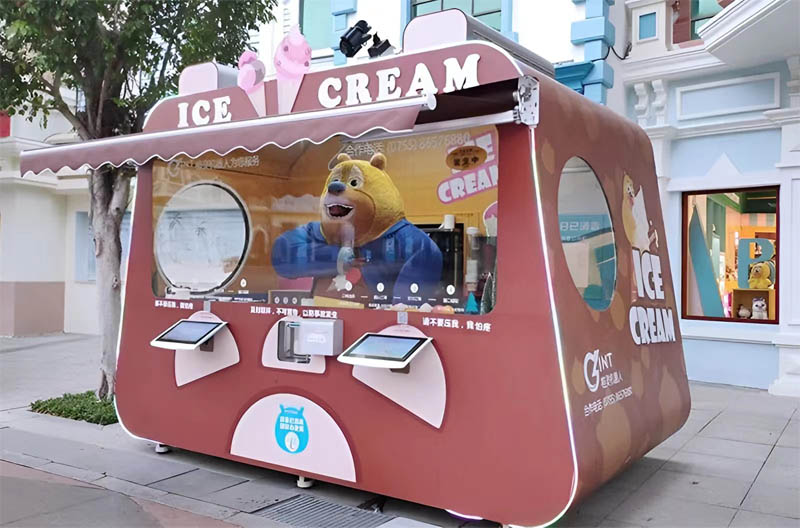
pixel 716 86
pixel 46 250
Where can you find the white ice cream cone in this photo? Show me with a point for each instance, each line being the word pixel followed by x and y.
pixel 287 93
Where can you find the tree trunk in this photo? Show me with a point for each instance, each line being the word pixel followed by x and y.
pixel 109 189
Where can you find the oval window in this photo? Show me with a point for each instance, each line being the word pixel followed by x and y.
pixel 587 236
pixel 201 238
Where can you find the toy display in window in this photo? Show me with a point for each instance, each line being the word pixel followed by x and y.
pixel 363 248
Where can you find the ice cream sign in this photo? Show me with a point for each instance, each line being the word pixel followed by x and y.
pixel 354 88
pixel 650 324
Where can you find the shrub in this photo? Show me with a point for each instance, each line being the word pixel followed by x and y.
pixel 84 406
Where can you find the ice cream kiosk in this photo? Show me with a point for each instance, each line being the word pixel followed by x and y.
pixel 437 275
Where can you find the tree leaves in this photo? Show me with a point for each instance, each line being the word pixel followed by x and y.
pixel 122 55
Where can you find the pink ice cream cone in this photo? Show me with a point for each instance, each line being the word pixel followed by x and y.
pixel 251 80
pixel 292 61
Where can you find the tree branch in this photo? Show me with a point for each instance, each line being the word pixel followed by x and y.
pixel 54 90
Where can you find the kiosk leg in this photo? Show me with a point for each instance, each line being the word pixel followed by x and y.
pixel 162 448
pixel 303 482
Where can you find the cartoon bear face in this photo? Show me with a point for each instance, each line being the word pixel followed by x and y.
pixel 359 202
pixel 628 192
pixel 759 270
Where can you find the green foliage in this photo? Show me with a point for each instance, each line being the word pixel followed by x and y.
pixel 84 406
pixel 123 55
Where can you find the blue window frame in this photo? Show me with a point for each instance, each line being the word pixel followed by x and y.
pixel 487 11
pixel 316 22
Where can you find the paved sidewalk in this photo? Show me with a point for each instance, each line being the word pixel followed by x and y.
pixel 735 463
pixel 33 368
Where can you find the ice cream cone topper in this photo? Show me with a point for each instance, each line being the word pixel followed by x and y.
pixel 251 80
pixel 292 61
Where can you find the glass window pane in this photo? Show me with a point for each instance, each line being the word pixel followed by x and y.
pixel 587 236
pixel 464 5
pixel 731 255
pixel 201 237
pixel 335 225
pixel 483 6
pixel 705 8
pixel 316 23
pixel 425 8
pixel 492 20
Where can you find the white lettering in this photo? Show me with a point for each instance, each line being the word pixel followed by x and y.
pixel 669 326
pixel 387 84
pixel 183 109
pixel 647 272
pixel 357 91
pixel 637 271
pixel 422 83
pixel 632 321
pixel 197 117
pixel 324 93
pixel 460 78
pixel 221 113
pixel 658 282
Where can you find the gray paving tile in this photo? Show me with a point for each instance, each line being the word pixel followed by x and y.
pixel 727 448
pixel 774 500
pixel 23 460
pixel 648 509
pixel 714 466
pixel 129 488
pixel 661 452
pixel 697 488
pixel 99 513
pixel 791 435
pixel 576 519
pixel 24 497
pixel 611 523
pixel 765 404
pixel 197 483
pixel 677 440
pixel 782 468
pixel 195 506
pixel 254 494
pixel 741 433
pixel 748 519
pixel 633 477
pixel 81 474
pixel 601 502
pixel 134 467
pixel 753 419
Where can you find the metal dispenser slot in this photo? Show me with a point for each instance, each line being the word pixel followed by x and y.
pixel 287 342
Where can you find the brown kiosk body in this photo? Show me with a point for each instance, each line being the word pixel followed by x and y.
pixel 461 299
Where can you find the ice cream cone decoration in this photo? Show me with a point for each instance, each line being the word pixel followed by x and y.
pixel 292 61
pixel 251 80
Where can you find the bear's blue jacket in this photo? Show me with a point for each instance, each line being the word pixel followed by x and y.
pixel 403 255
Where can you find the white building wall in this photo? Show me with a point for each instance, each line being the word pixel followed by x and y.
pixel 544 27
pixel 80 297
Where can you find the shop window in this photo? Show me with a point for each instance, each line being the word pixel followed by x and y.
pixel 316 23
pixel 730 255
pixel 398 224
pixel 702 12
pixel 587 236
pixel 201 238
pixel 85 266
pixel 487 11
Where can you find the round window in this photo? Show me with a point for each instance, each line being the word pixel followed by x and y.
pixel 201 238
pixel 587 235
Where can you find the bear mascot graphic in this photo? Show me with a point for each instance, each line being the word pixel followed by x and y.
pixel 363 246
